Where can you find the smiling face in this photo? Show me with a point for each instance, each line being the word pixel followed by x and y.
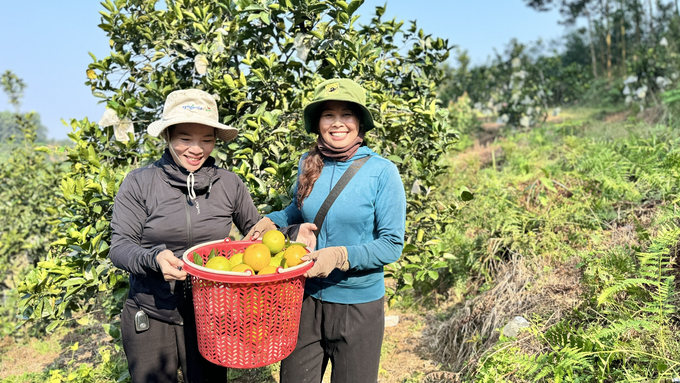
pixel 338 124
pixel 192 144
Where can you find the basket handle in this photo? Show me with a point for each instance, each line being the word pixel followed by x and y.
pixel 303 264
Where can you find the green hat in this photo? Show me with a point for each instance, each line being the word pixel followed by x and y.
pixel 337 89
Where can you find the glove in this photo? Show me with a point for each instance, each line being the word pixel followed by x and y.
pixel 261 227
pixel 327 260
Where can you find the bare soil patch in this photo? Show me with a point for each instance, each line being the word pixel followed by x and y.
pixel 53 351
pixel 405 353
pixel 652 116
pixel 617 117
pixel 479 156
pixel 30 357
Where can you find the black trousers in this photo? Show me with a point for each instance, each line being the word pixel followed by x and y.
pixel 155 355
pixel 349 336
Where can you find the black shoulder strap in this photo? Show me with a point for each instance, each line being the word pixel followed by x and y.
pixel 335 192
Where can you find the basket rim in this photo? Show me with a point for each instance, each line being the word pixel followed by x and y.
pixel 235 277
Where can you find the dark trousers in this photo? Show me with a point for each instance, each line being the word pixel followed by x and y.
pixel 155 355
pixel 349 336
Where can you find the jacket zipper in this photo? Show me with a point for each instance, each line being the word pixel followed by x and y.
pixel 190 236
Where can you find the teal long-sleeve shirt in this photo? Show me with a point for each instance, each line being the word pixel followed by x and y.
pixel 368 218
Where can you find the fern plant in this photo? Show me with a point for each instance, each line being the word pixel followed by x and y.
pixel 654 276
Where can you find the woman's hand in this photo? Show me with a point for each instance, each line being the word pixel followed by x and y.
pixel 306 235
pixel 261 227
pixel 170 266
pixel 326 260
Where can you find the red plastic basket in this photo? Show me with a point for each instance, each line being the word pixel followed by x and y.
pixel 244 321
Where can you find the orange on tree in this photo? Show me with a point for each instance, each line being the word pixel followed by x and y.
pixel 242 267
pixel 257 256
pixel 274 240
pixel 293 254
pixel 219 263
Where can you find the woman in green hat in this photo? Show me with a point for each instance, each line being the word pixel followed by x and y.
pixel 342 317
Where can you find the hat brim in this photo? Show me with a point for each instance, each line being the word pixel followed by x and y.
pixel 312 111
pixel 224 132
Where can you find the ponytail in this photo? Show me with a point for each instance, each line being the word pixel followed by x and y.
pixel 310 172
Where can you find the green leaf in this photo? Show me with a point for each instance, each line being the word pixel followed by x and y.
pixel 548 184
pixel 229 81
pixel 395 159
pixel 353 6
pixel 198 259
pixel 54 324
pixel 270 170
pixel 74 281
pixel 257 159
pixel 465 194
pixel 409 248
pixel 433 275
pixel 264 16
pixel 212 254
pixel 113 331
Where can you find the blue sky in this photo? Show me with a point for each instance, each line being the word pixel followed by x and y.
pixel 46 43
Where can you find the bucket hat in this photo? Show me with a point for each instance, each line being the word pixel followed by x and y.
pixel 191 105
pixel 339 89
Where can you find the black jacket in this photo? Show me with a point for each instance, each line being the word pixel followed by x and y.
pixel 153 212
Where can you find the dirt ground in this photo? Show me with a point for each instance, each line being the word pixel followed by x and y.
pixel 404 359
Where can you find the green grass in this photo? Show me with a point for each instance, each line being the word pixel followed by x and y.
pixel 568 191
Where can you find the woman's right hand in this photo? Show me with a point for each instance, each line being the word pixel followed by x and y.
pixel 170 266
pixel 306 235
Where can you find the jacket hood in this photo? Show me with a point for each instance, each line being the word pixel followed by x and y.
pixel 176 175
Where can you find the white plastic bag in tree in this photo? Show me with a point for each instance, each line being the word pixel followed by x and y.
pixel 301 47
pixel 122 129
pixel 201 64
pixel 109 118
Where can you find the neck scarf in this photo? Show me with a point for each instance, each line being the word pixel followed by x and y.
pixel 199 181
pixel 339 154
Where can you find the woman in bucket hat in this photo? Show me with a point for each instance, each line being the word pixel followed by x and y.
pixel 161 210
pixel 342 317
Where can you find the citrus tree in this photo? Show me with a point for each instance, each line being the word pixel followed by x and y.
pixel 28 179
pixel 260 60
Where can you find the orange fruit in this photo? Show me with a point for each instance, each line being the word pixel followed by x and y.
pixel 274 240
pixel 293 254
pixel 268 270
pixel 219 263
pixel 277 261
pixel 236 259
pixel 257 256
pixel 242 267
